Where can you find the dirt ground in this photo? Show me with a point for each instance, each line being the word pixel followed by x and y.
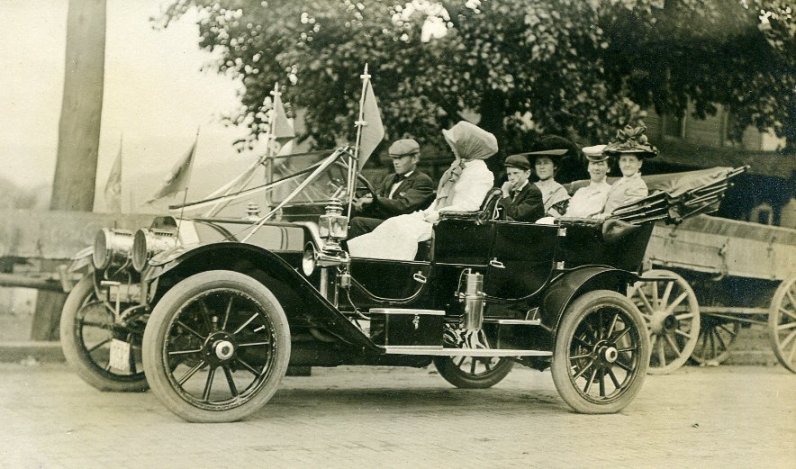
pixel 394 417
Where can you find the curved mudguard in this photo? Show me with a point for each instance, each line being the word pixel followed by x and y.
pixel 571 284
pixel 316 309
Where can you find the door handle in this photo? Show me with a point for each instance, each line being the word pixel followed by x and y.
pixel 496 263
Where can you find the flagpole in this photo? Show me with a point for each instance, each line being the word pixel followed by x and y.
pixel 269 163
pixel 121 170
pixel 353 166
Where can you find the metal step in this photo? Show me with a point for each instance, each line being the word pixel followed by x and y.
pixel 461 352
pixel 513 322
pixel 422 312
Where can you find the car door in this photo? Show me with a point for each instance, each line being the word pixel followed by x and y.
pixel 521 259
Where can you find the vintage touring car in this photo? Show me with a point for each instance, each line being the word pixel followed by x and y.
pixel 214 311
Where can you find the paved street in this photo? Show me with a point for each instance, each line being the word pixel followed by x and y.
pixel 389 417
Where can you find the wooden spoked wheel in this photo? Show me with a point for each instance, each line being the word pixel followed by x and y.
pixel 671 312
pixel 716 336
pixel 782 323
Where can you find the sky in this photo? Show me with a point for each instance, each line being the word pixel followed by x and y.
pixel 155 95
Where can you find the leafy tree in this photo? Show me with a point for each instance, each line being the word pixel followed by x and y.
pixel 578 68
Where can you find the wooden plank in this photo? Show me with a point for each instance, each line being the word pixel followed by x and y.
pixel 729 247
pixel 24 281
pixel 57 234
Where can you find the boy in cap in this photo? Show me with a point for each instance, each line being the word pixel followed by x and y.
pixel 401 192
pixel 631 147
pixel 521 201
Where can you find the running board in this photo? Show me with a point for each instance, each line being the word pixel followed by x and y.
pixel 461 352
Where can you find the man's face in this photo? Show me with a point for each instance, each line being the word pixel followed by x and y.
pixel 404 164
pixel 517 176
pixel 545 169
pixel 598 170
pixel 629 165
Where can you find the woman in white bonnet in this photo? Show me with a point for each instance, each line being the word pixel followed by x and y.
pixel 462 187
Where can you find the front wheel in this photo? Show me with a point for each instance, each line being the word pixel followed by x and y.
pixel 216 347
pixel 473 372
pixel 601 353
pixel 88 328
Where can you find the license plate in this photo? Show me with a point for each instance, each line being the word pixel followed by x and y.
pixel 120 355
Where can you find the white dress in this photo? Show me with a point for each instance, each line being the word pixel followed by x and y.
pixel 397 237
pixel 588 201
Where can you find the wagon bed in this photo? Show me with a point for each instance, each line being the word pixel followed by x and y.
pixel 713 275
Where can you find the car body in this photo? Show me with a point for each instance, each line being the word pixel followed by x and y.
pixel 227 304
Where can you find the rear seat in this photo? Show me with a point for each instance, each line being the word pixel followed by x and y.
pixel 488 211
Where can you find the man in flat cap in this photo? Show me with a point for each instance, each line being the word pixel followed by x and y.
pixel 404 191
pixel 521 201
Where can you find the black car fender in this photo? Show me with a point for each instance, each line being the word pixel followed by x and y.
pixel 303 304
pixel 571 284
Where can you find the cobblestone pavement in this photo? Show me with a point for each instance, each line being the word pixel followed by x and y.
pixel 391 417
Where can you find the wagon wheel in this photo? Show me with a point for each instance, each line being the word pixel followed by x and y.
pixel 601 353
pixel 216 347
pixel 87 328
pixel 473 372
pixel 671 312
pixel 782 323
pixel 716 336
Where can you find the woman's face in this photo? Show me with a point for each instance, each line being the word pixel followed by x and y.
pixel 629 165
pixel 598 170
pixel 545 169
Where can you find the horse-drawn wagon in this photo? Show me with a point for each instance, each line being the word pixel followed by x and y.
pixel 716 275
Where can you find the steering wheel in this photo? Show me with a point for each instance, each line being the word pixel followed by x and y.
pixel 362 179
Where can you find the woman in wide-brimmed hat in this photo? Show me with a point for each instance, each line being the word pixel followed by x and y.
pixel 631 148
pixel 462 187
pixel 546 157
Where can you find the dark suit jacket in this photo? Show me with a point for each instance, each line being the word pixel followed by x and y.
pixel 526 206
pixel 415 192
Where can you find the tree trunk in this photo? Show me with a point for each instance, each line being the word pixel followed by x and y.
pixel 493 112
pixel 78 134
pixel 81 109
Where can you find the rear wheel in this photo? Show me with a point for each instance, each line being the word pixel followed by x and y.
pixel 216 347
pixel 87 331
pixel 473 372
pixel 601 353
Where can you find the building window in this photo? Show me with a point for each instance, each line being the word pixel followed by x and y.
pixel 673 126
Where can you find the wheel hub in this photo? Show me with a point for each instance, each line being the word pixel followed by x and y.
pixel 220 348
pixel 224 349
pixel 605 352
pixel 663 322
pixel 608 354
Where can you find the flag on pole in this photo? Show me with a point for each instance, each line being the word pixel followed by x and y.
pixel 281 127
pixel 372 128
pixel 178 177
pixel 113 187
